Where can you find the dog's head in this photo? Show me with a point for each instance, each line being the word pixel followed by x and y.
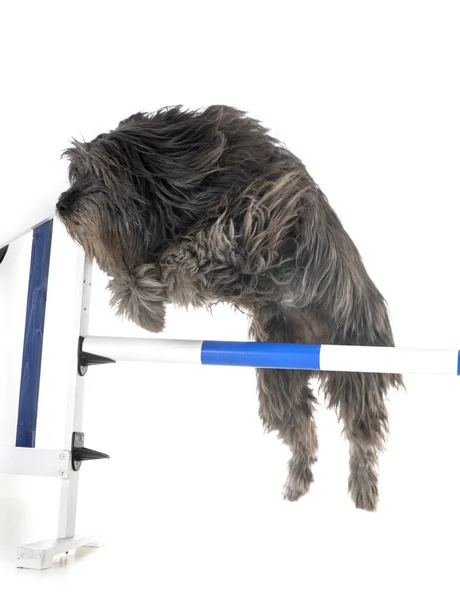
pixel 108 209
pixel 128 188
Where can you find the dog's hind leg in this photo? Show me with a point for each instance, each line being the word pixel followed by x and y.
pixel 286 402
pixel 360 398
pixel 360 402
pixel 334 279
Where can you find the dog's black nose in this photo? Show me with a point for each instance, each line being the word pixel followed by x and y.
pixel 65 202
pixel 61 207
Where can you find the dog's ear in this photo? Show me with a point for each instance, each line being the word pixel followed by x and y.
pixel 140 116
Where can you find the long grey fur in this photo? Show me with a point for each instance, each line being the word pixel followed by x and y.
pixel 199 207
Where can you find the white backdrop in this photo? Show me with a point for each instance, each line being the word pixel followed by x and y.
pixel 367 94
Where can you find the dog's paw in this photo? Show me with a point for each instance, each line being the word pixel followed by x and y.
pixel 363 489
pixel 139 295
pixel 298 483
pixel 152 320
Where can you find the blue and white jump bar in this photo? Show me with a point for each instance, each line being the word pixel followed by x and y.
pixel 358 359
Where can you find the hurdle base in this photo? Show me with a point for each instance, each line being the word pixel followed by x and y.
pixel 40 555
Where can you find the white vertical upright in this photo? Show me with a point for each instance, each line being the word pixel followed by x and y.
pixel 74 418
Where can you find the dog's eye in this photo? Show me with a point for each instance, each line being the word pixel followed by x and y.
pixel 75 172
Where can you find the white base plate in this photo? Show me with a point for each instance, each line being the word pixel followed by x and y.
pixel 40 555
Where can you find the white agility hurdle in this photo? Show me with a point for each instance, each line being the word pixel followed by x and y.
pixel 86 351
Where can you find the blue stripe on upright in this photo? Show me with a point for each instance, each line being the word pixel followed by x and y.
pixel 33 335
pixel 458 364
pixel 263 355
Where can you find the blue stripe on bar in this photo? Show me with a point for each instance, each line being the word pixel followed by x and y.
pixel 261 354
pixel 33 335
pixel 458 364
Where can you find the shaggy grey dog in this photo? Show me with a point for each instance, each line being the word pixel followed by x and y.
pixel 199 207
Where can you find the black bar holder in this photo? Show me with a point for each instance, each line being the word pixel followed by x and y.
pixel 80 453
pixel 3 252
pixel 85 359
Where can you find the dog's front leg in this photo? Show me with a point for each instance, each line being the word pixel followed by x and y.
pixel 139 295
